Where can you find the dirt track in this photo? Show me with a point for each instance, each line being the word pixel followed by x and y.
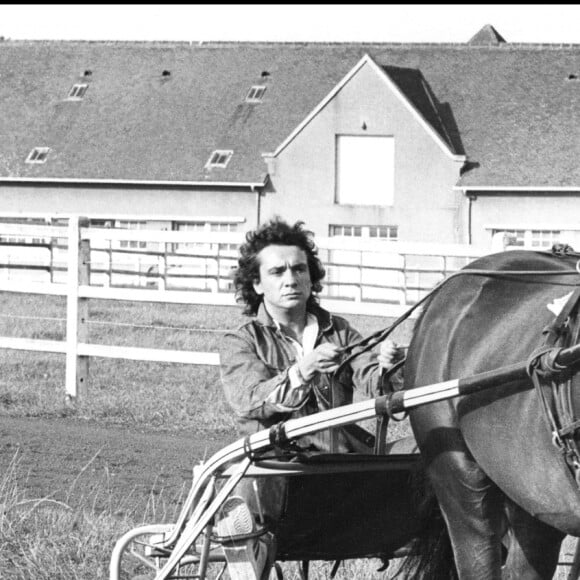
pixel 69 460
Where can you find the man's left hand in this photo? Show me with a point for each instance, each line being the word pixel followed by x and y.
pixel 389 354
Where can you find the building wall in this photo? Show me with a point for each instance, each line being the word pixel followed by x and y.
pixel 426 208
pixel 531 211
pixel 124 202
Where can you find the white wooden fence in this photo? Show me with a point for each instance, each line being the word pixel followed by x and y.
pixel 373 278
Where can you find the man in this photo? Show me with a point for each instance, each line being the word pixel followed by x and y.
pixel 281 364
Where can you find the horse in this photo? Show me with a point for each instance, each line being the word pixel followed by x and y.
pixel 501 482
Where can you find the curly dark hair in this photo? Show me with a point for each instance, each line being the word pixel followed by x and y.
pixel 274 232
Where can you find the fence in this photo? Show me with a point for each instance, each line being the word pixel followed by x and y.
pixel 82 263
pixel 357 270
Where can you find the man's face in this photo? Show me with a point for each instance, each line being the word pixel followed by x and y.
pixel 284 279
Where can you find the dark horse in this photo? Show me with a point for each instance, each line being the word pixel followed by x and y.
pixel 490 457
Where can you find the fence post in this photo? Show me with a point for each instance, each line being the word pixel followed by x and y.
pixel 218 264
pixel 162 269
pixel 77 367
pixel 359 294
pixel 51 261
pixel 405 285
pixel 109 274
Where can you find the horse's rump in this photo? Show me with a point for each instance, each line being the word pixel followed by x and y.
pixel 476 323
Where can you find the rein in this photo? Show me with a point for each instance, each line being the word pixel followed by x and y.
pixel 372 340
pixel 559 412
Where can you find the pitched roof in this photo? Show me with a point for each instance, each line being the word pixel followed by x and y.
pixel 510 108
pixel 416 89
pixel 487 35
pixel 133 123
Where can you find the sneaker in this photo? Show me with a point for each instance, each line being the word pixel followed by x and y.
pixel 244 558
pixel 236 518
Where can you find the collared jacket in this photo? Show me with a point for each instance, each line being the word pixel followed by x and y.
pixel 256 357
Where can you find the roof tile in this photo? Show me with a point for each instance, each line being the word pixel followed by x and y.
pixel 511 109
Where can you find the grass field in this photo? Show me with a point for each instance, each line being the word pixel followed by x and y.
pixel 58 540
pixel 155 395
pixel 43 538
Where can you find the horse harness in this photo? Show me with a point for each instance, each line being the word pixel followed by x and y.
pixel 542 366
pixel 544 369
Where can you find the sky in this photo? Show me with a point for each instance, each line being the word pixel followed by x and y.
pixel 543 23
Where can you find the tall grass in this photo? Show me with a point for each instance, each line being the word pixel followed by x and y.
pixel 46 539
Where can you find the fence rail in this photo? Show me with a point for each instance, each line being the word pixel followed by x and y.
pixel 388 272
pixel 82 263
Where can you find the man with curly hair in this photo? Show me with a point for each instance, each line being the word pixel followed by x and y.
pixel 281 364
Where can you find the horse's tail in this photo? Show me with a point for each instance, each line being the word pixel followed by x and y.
pixel 431 554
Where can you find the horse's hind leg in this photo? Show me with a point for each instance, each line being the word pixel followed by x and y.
pixel 533 547
pixel 474 511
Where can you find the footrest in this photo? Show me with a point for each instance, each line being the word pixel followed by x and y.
pixel 236 539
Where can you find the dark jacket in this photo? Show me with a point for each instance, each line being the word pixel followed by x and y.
pixel 256 357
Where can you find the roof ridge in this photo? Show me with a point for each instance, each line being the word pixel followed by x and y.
pixel 361 44
pixel 81 41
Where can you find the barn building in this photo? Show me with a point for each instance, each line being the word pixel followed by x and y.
pixel 453 143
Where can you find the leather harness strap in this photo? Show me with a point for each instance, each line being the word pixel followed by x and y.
pixel 560 414
pixel 543 369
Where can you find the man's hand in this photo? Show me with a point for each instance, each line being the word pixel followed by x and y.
pixel 389 354
pixel 325 358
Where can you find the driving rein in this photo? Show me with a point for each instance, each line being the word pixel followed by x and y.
pixel 564 331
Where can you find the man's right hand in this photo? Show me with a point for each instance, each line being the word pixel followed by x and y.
pixel 325 358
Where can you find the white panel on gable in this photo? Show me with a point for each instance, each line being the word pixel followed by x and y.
pixel 365 170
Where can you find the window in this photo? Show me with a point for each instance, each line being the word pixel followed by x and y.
pixel 390 233
pixel 219 158
pixel 365 170
pixel 207 227
pixel 77 92
pixel 544 238
pixel 101 223
pixel 198 227
pixel 255 94
pixel 38 155
pixel 132 225
pixel 225 227
pixel 529 238
pixel 201 227
pixel 345 231
pixel 516 237
pixel 384 232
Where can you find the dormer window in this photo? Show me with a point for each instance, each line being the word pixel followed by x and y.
pixel 38 155
pixel 77 92
pixel 219 158
pixel 255 94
